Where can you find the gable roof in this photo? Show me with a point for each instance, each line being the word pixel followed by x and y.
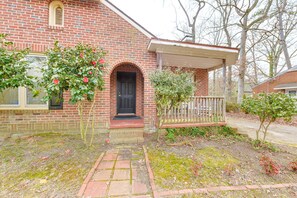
pixel 280 74
pixel 127 18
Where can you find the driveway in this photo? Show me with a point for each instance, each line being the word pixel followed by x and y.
pixel 277 133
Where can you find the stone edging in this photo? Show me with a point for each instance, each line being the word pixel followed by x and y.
pixel 151 174
pixel 208 189
pixel 88 178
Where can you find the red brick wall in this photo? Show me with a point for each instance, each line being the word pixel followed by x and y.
pixel 139 88
pixel 290 77
pixel 90 22
pixel 200 77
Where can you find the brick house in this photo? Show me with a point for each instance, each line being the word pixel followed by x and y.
pixel 133 53
pixel 285 82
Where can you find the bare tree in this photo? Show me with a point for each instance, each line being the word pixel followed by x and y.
pixel 281 6
pixel 221 6
pixel 246 22
pixel 191 21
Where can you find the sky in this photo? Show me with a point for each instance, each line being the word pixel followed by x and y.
pixel 156 16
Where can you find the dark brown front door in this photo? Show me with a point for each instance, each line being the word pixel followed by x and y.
pixel 126 92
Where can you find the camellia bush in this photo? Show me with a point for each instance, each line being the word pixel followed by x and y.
pixel 171 90
pixel 13 66
pixel 78 70
pixel 268 108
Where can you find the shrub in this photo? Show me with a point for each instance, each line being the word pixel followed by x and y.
pixel 13 66
pixel 269 107
pixel 170 135
pixel 171 89
pixel 232 107
pixel 270 167
pixel 79 70
pixel 293 166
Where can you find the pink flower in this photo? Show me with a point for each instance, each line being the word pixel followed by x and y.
pixel 90 73
pixel 86 80
pixel 101 61
pixel 56 81
pixel 94 63
pixel 107 141
pixel 81 55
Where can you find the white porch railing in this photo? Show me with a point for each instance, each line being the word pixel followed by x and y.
pixel 200 109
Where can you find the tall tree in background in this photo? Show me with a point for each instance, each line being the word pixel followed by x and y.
pixel 250 16
pixel 225 11
pixel 281 6
pixel 190 30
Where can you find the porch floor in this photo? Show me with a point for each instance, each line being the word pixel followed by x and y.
pixel 119 124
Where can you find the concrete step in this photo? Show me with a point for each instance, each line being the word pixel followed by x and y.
pixel 126 140
pixel 126 135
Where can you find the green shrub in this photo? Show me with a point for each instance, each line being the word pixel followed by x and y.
pixel 232 107
pixel 268 108
pixel 200 132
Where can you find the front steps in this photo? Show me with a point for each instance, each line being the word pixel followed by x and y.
pixel 126 135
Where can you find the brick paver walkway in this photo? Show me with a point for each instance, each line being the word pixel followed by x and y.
pixel 119 172
pixel 126 172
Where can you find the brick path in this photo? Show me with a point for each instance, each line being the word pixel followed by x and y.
pixel 126 172
pixel 119 172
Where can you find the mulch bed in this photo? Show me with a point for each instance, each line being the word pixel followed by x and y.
pixel 247 172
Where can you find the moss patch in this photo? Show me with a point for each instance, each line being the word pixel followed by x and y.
pixel 214 162
pixel 176 172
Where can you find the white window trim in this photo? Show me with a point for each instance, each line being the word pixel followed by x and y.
pixel 52 13
pixel 22 98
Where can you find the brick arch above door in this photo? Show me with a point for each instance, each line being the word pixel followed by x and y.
pixel 127 67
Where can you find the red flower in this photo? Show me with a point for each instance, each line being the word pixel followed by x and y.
pixel 101 61
pixel 107 141
pixel 81 55
pixel 94 63
pixel 86 80
pixel 90 73
pixel 56 81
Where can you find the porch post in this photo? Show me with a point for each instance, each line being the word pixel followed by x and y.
pixel 159 61
pixel 224 78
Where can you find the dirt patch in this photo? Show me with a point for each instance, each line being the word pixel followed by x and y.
pixel 227 161
pixel 46 165
pixel 253 117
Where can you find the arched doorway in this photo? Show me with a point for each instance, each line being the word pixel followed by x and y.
pixel 126 91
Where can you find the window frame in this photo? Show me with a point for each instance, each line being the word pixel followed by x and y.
pixel 22 98
pixel 52 13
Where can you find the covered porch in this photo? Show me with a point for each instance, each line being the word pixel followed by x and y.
pixel 201 110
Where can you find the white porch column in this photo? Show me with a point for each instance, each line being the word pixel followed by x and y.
pixel 224 78
pixel 159 61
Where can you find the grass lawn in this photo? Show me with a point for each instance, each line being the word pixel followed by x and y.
pixel 216 158
pixel 45 165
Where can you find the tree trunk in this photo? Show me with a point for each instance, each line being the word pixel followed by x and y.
pixel 281 9
pixel 242 64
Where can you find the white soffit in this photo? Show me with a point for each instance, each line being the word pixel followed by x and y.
pixel 127 18
pixel 202 54
pixel 190 61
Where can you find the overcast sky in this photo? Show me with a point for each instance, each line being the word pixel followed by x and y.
pixel 155 15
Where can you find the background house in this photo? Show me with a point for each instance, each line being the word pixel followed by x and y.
pixel 285 82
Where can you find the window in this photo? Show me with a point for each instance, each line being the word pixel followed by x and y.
pixel 56 14
pixel 292 93
pixel 56 102
pixel 22 98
